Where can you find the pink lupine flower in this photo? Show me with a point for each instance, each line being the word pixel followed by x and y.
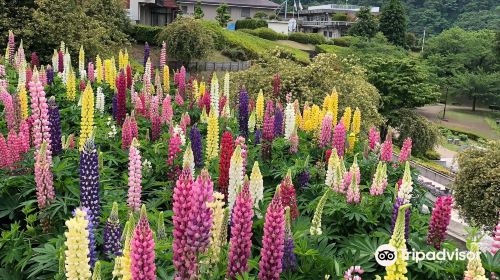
pixel 353 273
pixel 273 241
pixel 182 81
pixel 10 113
pixel 43 176
pixel 185 122
pixel 167 111
pixel 14 146
pixel 174 147
pixel 154 108
pixel 126 134
pixel 405 153
pixel 326 131
pixel 163 55
pixel 441 216
pixel 134 177
pixel 40 113
pixel 386 150
pixel 142 253
pixel 24 135
pixel 353 194
pixel 4 153
pixel 241 233
pixel 29 75
pixel 178 99
pixel 12 47
pixel 91 72
pixel 496 239
pixel 346 182
pixel 294 142
pixel 339 138
pixel 373 138
pixel 200 215
pixel 240 140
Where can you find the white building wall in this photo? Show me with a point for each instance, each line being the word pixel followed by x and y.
pixel 278 26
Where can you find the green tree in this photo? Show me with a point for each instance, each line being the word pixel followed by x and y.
pixel 366 25
pixel 477 86
pixel 411 124
pixel 198 12
pixel 223 16
pixel 477 185
pixel 187 39
pixel 393 22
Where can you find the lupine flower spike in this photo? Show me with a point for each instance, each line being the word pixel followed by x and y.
pixel 273 241
pixel 89 181
pixel 379 179
pixel 316 221
pixel 134 177
pixel 398 269
pixel 441 216
pixel 112 233
pixel 77 261
pixel 142 252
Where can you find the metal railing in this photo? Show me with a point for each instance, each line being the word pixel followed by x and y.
pixel 199 66
pixel 323 23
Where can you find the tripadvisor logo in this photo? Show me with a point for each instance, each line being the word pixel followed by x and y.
pixel 386 255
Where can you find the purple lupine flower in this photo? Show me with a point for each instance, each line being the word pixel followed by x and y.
pixel 200 215
pixel 289 261
pixel 114 107
pixel 55 126
pixel 399 202
pixel 195 138
pixel 146 53
pixel 112 234
pixel 50 74
pixel 303 179
pixel 278 122
pixel 258 135
pixel 90 227
pixel 89 180
pixel 243 113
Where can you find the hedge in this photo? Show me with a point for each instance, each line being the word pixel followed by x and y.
pixel 252 23
pixel 266 33
pixel 307 38
pixel 145 33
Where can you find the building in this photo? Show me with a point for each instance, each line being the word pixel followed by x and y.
pixel 152 12
pixel 239 9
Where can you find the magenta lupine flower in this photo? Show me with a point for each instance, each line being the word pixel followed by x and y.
pixel 183 259
pixel 441 216
pixel 339 138
pixel 12 47
pixel 178 98
pixel 60 61
pixel 167 112
pixel 174 147
pixel 241 233
pixel 121 99
pixel 496 239
pixel 91 72
pixel 346 182
pixel 10 113
pixel 40 113
pixel 268 125
pixel 126 134
pixel 155 128
pixel 243 113
pixel 273 242
pixel 142 253
pixel 182 81
pixel 14 146
pixel 386 150
pixel 200 215
pixel 4 152
pixel 405 150
pixel 134 130
pixel 326 131
pixel 134 178
pixel 354 273
pixel 373 138
pixel 35 61
pixel 43 176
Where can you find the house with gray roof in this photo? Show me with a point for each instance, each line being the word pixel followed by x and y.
pixel 239 9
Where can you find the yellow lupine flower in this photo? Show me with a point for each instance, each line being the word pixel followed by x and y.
pixel 212 136
pixel 112 78
pixel 352 141
pixel 23 100
pixel 195 90
pixel 217 206
pixel 107 70
pixel 316 117
pixel 71 86
pixel 356 121
pixel 98 68
pixel 166 79
pixel 125 59
pixel 298 115
pixel 120 60
pixel 397 271
pixel 347 118
pixel 335 105
pixel 306 118
pixel 202 90
pixel 81 62
pixel 259 108
pixel 87 115
pixel 326 104
pixel 475 270
pixel 76 261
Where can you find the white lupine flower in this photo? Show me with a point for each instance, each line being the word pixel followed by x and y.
pixel 289 120
pixel 146 166
pixel 227 109
pixel 188 160
pixel 256 186
pixel 67 65
pixel 235 176
pixel 252 122
pixel 99 101
pixel 178 130
pixel 214 94
pixel 406 186
pixel 55 61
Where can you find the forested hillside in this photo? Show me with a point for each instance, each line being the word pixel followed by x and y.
pixel 438 15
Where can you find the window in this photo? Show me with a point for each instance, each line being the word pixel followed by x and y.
pixel 184 9
pixel 245 12
pixel 330 34
pixel 325 33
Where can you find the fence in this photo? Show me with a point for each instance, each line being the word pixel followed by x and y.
pixel 199 66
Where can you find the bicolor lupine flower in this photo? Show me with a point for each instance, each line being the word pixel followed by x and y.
pixel 43 176
pixel 55 126
pixel 278 121
pixel 441 216
pixel 89 180
pixel 240 141
pixel 142 253
pixel 241 233
pixel 406 187
pixel 212 150
pixel 353 273
pixel 146 53
pixel 405 153
pixel 92 244
pixel 243 113
pixel 334 174
pixel 353 194
pixel 121 99
pixel 288 196
pixel 196 146
pixel 289 261
pixel 235 176
pixel 475 270
pixel 112 233
pixel 294 142
pixel 495 246
pixel 256 186
pixel 217 238
pixel 398 269
pixel 214 94
pixel 134 177
pixel 386 149
pixel 339 135
pixel 326 131
pixel 273 241
pixel 397 205
pixel 225 162
pixel 87 116
pixel 77 260
pixel 379 179
pixel 174 148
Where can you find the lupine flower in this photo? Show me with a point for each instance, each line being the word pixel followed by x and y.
pixel 475 270
pixel 99 102
pixel 24 135
pixel 397 205
pixel 405 153
pixel 379 179
pixel 163 54
pixel 326 131
pixel 334 175
pixel 87 115
pixel 398 269
pixel 276 84
pixel 112 233
pixel 256 186
pixel 188 160
pixel 289 261
pixel 289 120
pixel 226 109
pixel 339 135
pixel 273 241
pixel 71 85
pixel 130 81
pixel 351 139
pixel 243 113
pixel 353 273
pixel 212 150
pixel 259 109
pixel 50 74
pixel 121 99
pixel 77 243
pixel 99 69
pixel 11 45
pixel 142 252
pixel 92 244
pixel 89 180
pixel 346 182
pixel 60 61
pixel 126 134
pixel 496 239
pixel 174 147
pixel 240 141
pixel 356 121
pixel 161 232
pixel 96 275
pixel 406 187
pixel 155 127
pixel 91 72
pixel 42 76
pixel 195 139
pixel 294 142
pixel 146 53
pixel 10 113
pixel 241 233
pixel 441 216
pixel 347 118
pixel 278 122
pixel 123 263
pixel 225 161
pixel 182 81
pixel 303 179
pixel 235 176
pixel 268 126
pixel 167 111
pixel 81 63
pixel 373 138
pixel 15 147
pixel 35 61
pixel 214 94
pixel 258 136
pixel 134 177
pixel 43 176
pixel 55 126
pixel 4 153
pixel 82 86
pixel 287 195
pixel 386 150
pixel 217 239
pixel 353 195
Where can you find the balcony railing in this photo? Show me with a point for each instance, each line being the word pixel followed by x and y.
pixel 323 23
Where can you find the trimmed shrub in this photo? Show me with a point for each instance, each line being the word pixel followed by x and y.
pixel 252 23
pixel 339 17
pixel 307 38
pixel 145 33
pixel 266 33
pixel 346 41
pixel 410 124
pixel 432 155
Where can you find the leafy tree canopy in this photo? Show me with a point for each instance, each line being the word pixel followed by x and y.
pixel 366 25
pixel 393 21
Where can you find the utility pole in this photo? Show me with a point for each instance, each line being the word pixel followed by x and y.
pixel 286 7
pixel 445 102
pixel 423 41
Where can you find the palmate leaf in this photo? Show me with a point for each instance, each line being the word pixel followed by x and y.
pixel 491 262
